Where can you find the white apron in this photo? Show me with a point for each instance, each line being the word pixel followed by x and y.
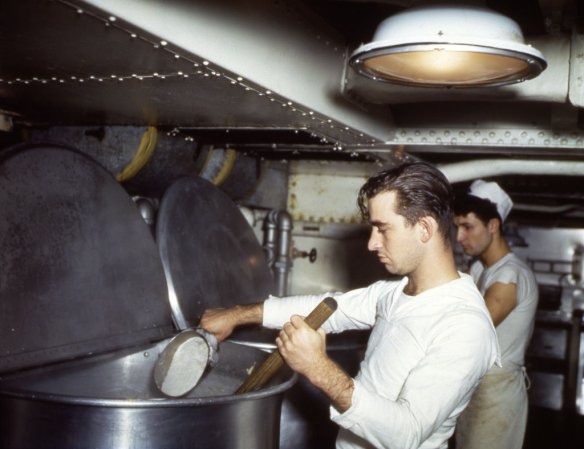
pixel 496 416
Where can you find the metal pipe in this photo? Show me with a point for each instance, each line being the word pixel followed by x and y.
pixel 278 247
pixel 570 396
pixel 465 171
pixel 270 239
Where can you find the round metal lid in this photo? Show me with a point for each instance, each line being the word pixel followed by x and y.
pixel 210 254
pixel 79 269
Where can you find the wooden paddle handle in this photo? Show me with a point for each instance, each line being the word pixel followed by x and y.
pixel 269 367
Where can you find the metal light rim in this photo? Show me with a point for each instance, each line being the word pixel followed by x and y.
pixel 536 63
pixel 450 27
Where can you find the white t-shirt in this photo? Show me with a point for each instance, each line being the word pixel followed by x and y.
pixel 425 356
pixel 515 330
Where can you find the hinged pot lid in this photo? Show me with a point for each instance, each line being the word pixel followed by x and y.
pixel 79 270
pixel 210 253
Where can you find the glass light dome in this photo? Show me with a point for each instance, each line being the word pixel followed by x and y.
pixel 454 46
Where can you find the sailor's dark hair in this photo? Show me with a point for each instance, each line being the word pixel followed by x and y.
pixel 421 190
pixel 484 209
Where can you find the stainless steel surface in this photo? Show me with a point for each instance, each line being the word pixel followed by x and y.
pixel 61 210
pixel 111 401
pixel 79 270
pixel 210 254
pixel 147 209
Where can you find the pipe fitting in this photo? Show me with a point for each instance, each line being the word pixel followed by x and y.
pixel 277 238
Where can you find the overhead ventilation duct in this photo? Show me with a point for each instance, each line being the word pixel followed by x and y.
pixel 484 168
pixel 448 46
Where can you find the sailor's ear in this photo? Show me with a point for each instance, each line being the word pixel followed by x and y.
pixel 427 227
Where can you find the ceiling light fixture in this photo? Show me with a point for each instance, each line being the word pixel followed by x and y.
pixel 448 46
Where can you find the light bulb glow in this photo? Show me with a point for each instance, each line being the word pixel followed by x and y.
pixel 450 46
pixel 445 67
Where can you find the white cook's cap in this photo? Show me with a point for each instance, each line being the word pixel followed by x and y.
pixel 492 192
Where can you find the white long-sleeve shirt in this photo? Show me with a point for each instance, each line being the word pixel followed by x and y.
pixel 425 356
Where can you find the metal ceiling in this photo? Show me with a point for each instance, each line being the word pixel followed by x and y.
pixel 177 63
pixel 256 64
pixel 268 70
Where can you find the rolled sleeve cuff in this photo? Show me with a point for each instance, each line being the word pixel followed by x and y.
pixel 346 419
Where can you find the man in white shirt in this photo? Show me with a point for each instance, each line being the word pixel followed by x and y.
pixel 431 340
pixel 497 414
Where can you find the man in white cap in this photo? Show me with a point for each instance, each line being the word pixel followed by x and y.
pixel 496 417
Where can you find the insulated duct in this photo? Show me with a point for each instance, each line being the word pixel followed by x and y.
pixel 484 168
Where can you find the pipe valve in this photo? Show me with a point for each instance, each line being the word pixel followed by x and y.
pixel 310 254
